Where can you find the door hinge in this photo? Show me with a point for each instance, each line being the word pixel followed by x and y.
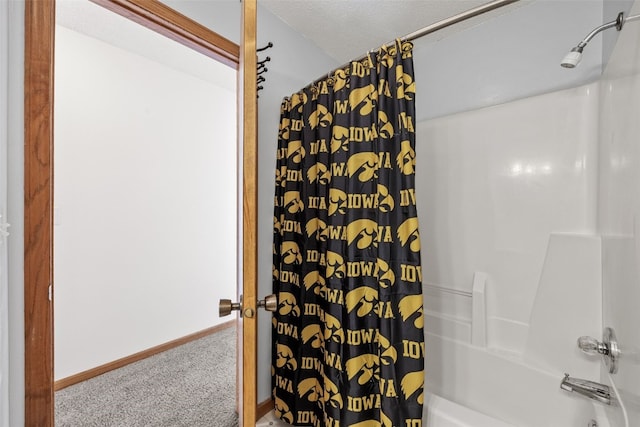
pixel 50 292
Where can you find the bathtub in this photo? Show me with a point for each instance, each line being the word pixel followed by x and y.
pixel 470 386
pixel 440 412
pixel 509 369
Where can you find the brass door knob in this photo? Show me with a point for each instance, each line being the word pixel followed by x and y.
pixel 226 307
pixel 270 303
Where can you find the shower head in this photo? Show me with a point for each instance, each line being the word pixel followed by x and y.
pixel 572 58
pixel 575 55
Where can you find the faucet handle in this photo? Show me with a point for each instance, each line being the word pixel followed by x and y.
pixel 608 348
pixel 590 345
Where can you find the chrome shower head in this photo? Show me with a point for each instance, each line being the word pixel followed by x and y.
pixel 572 58
pixel 575 55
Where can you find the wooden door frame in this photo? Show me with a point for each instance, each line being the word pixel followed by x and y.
pixel 248 133
pixel 38 180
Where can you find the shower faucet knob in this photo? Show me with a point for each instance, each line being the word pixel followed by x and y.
pixel 608 348
pixel 590 345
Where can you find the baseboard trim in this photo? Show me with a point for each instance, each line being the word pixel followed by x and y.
pixel 99 370
pixel 264 408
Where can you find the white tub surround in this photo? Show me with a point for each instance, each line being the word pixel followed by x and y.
pixel 567 306
pixel 618 213
pixel 511 261
pixel 493 184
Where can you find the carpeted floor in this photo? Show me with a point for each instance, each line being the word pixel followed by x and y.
pixel 192 385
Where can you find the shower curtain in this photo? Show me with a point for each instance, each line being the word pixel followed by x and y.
pixel 348 343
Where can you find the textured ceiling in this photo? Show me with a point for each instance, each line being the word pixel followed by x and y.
pixel 348 29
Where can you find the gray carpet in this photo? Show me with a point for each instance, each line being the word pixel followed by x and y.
pixel 192 385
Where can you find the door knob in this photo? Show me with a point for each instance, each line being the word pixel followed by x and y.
pixel 226 307
pixel 270 303
pixel 608 348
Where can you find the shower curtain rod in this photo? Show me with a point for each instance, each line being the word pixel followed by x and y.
pixel 436 26
pixel 463 16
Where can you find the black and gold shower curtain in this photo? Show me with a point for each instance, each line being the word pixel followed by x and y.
pixel 348 343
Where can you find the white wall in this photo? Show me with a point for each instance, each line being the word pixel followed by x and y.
pixel 145 200
pixel 619 210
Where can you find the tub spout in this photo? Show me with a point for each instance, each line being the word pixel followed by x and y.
pixel 590 389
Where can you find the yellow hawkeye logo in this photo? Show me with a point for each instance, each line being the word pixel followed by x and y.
pixel 310 389
pixel 337 202
pixel 317 228
pixel 335 266
pixel 313 334
pixel 389 354
pixel 281 176
pixel 406 158
pixel 283 131
pixel 385 200
pixel 319 173
pixel 321 117
pixel 297 101
pixel 364 232
pixel 333 329
pixel 284 357
pixel 386 276
pixel 365 165
pixel 291 253
pixel 363 298
pixel 332 395
pixel 411 305
pixel 385 128
pixel 364 98
pixel 314 281
pixel 339 139
pixel 364 366
pixel 287 304
pixel 405 84
pixel 295 151
pixel 412 383
pixel 282 410
pixel 340 79
pixel 292 202
pixel 408 233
